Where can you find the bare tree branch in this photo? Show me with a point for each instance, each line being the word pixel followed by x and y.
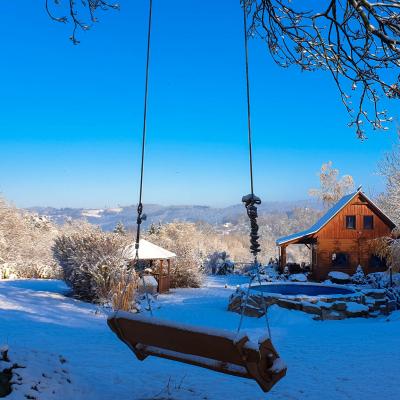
pixel 356 41
pixel 74 8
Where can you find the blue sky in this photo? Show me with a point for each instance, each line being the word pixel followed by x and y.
pixel 70 116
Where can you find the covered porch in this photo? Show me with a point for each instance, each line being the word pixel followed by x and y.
pixel 307 241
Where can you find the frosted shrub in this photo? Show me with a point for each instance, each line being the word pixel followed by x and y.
pixel 359 277
pixel 30 269
pixel 95 266
pixel 381 280
pixel 25 244
pixel 219 263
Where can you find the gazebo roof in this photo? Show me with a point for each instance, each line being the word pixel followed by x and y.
pixel 149 251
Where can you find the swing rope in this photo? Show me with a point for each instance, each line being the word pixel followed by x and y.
pixel 140 216
pixel 246 51
pixel 218 351
pixel 251 200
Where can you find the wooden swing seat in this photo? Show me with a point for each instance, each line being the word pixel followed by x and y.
pixel 218 350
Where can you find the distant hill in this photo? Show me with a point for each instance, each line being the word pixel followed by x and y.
pixel 108 218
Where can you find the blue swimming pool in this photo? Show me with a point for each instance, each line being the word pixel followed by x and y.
pixel 294 289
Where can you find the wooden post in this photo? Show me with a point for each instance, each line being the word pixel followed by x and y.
pixel 160 277
pixel 160 271
pixel 168 279
pixel 313 259
pixel 283 257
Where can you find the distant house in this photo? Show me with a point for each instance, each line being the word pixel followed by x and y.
pixel 340 240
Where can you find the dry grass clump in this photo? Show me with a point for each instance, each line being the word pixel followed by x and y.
pixel 388 248
pixel 123 289
pixel 95 266
pixel 25 244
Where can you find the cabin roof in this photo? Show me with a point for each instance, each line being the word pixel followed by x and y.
pixel 149 251
pixel 329 215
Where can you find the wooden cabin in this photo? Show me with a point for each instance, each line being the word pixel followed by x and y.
pixel 340 240
pixel 159 260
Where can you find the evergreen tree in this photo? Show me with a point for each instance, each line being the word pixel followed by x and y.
pixel 120 229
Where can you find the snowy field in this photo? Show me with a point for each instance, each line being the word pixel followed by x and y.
pixel 70 354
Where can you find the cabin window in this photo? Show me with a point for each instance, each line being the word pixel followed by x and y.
pixel 368 222
pixel 350 222
pixel 375 262
pixel 340 260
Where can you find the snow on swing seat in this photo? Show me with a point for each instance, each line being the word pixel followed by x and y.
pixel 217 350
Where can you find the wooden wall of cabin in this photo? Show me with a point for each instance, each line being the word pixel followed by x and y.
pixel 336 228
pixel 325 249
pixel 359 253
pixel 336 238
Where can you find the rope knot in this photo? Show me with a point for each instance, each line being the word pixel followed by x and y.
pixel 250 202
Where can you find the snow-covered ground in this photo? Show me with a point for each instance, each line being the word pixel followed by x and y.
pixel 69 352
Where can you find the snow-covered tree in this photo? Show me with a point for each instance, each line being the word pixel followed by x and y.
pixel 389 201
pixel 25 244
pixel 154 228
pixel 82 14
pixel 332 186
pixel 120 229
pixel 389 168
pixel 357 42
pixel 219 263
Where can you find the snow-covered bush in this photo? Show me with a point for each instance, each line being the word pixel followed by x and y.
pixel 94 265
pixel 298 278
pixel 218 263
pixel 270 271
pixel 25 244
pixel 393 294
pixel 359 277
pixel 339 277
pixel 190 246
pixel 29 269
pixel 382 280
pixel 120 229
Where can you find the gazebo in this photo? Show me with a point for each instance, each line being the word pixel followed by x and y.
pixel 155 255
